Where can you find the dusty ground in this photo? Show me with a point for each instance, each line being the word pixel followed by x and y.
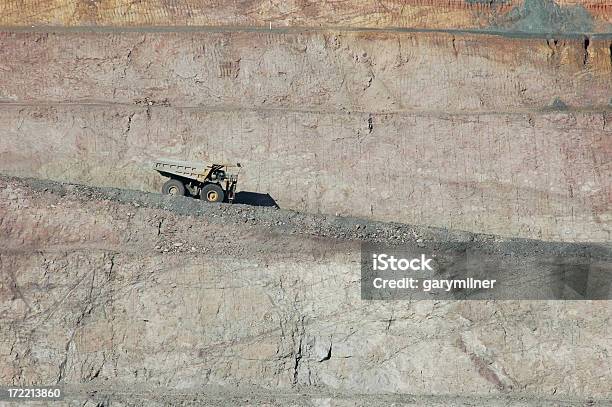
pixel 124 294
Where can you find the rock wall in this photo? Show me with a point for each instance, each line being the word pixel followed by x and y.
pixel 119 300
pixel 477 132
pixel 576 16
pixel 483 116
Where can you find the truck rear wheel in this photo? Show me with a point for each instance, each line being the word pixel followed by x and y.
pixel 173 187
pixel 212 193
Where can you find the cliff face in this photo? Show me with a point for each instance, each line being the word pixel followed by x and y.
pixel 576 16
pixel 490 117
pixel 477 132
pixel 118 295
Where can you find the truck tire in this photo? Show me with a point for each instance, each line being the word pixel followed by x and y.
pixel 173 187
pixel 212 193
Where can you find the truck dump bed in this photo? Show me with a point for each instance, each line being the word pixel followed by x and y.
pixel 186 169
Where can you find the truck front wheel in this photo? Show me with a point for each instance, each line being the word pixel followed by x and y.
pixel 173 187
pixel 212 193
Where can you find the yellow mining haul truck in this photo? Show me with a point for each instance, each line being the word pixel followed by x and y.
pixel 212 183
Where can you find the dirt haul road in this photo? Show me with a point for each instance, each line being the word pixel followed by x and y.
pixel 120 295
